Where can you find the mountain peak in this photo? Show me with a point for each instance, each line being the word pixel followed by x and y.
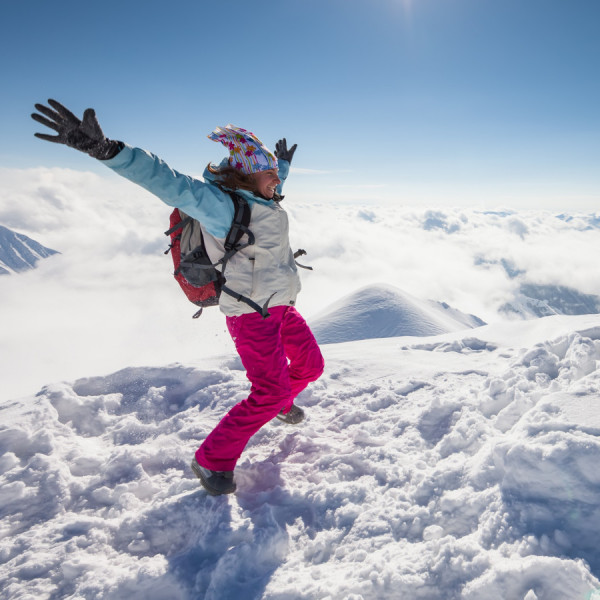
pixel 20 253
pixel 381 311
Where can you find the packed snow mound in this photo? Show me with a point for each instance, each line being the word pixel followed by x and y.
pixel 459 467
pixel 382 311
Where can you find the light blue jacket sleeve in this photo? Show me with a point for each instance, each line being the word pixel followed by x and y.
pixel 284 169
pixel 201 200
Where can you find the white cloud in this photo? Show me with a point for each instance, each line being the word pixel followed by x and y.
pixel 109 299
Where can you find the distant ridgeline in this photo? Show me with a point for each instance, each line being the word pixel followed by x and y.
pixel 20 253
pixel 381 311
pixel 545 300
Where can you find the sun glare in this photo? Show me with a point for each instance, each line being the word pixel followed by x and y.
pixel 406 5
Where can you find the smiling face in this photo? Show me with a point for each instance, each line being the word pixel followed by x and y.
pixel 265 182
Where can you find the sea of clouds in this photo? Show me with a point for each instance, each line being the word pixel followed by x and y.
pixel 112 271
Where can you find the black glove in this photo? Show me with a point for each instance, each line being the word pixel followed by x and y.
pixel 86 135
pixel 282 152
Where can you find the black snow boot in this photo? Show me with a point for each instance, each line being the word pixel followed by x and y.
pixel 294 416
pixel 214 482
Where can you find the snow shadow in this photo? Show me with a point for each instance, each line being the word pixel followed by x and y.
pixel 436 422
pixel 550 490
pixel 564 529
pixel 233 551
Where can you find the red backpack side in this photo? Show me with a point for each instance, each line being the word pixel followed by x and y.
pixel 204 292
pixel 202 280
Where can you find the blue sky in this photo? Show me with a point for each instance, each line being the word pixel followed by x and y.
pixel 415 101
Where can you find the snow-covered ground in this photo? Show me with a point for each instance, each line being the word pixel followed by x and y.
pixel 458 466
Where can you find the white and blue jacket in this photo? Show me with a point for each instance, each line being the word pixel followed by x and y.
pixel 261 271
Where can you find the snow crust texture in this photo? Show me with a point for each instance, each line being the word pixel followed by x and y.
pixel 462 466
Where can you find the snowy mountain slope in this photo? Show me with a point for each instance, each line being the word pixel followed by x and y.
pixel 19 252
pixel 457 466
pixel 533 301
pixel 381 311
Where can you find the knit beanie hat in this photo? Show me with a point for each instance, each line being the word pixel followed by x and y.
pixel 247 152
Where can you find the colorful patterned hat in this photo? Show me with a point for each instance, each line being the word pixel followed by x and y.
pixel 247 152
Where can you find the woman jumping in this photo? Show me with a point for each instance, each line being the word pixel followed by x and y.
pixel 276 346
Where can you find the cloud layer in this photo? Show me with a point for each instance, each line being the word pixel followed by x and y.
pixel 108 300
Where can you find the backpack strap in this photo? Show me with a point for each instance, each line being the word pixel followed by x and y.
pixel 179 225
pixel 261 310
pixel 298 253
pixel 239 227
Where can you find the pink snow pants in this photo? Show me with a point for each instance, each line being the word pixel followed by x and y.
pixel 281 357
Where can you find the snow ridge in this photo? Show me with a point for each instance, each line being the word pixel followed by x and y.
pixel 457 467
pixel 383 311
pixel 19 252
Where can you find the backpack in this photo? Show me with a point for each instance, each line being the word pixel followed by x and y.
pixel 199 278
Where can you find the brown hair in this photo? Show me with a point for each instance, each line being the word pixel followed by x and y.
pixel 232 178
